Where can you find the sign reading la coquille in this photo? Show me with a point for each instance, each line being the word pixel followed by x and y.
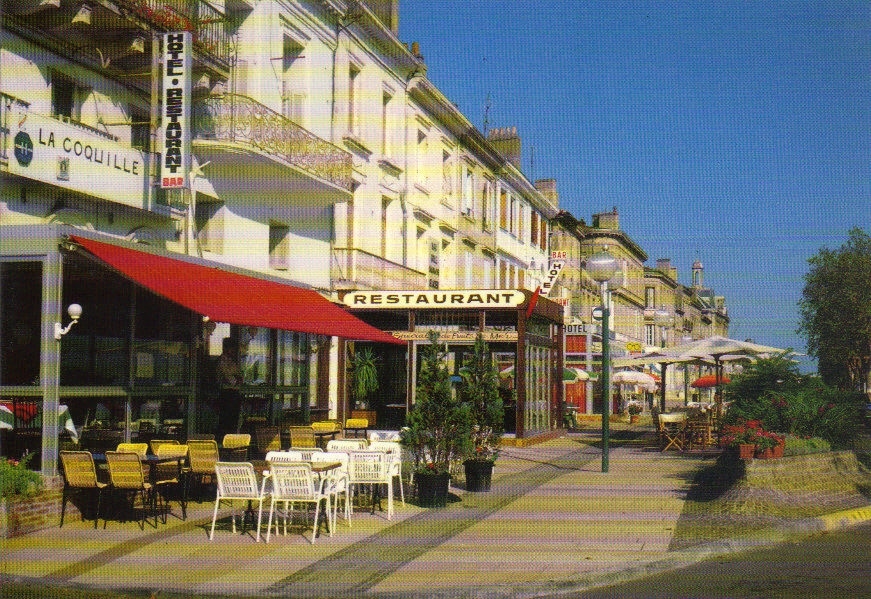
pixel 75 158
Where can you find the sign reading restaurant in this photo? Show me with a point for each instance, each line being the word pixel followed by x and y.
pixel 176 134
pixel 455 298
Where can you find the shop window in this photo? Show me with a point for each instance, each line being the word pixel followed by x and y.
pixel 20 313
pixel 140 130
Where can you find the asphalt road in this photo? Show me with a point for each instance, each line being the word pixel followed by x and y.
pixel 831 565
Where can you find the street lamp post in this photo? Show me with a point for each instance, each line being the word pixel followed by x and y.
pixel 662 320
pixel 601 267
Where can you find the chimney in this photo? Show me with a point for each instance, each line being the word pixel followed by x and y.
pixel 507 142
pixel 387 12
pixel 547 187
pixel 607 220
pixel 664 266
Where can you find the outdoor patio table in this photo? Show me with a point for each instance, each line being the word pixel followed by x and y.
pixel 318 468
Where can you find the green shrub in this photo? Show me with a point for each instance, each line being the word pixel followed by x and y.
pixel 17 479
pixel 801 445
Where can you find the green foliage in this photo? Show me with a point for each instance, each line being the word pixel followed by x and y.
pixel 836 311
pixel 364 366
pixel 772 392
pixel 438 428
pixel 17 480
pixel 480 391
pixel 801 445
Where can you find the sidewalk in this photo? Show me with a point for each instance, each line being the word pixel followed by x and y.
pixel 552 523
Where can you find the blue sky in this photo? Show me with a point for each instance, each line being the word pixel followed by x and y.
pixel 736 133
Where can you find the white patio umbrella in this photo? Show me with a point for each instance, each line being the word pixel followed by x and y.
pixel 632 377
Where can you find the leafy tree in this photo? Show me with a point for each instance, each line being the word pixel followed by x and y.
pixel 836 311
pixel 438 428
pixel 480 390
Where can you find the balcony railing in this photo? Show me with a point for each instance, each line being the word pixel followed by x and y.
pixel 353 268
pixel 207 24
pixel 240 119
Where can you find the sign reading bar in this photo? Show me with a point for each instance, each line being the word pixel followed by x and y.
pixel 176 132
pixel 458 298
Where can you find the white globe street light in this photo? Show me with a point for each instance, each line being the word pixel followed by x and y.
pixel 602 267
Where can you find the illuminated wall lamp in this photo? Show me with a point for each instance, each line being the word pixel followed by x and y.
pixel 75 312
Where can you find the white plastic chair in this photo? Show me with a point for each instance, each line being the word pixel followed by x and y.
pixel 296 483
pixel 338 481
pixel 394 450
pixel 237 481
pixel 347 445
pixel 371 468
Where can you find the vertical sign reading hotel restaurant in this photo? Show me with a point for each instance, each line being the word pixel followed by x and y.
pixel 176 137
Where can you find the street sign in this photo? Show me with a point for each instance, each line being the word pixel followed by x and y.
pixel 597 313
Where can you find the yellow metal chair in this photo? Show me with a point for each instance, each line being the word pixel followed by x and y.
pixel 125 473
pixel 302 436
pixel 80 474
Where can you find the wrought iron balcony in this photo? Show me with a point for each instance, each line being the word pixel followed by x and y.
pixel 240 119
pixel 356 269
pixel 207 24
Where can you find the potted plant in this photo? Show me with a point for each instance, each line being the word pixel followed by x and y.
pixel 634 408
pixel 480 391
pixel 364 370
pixel 437 430
pixel 743 436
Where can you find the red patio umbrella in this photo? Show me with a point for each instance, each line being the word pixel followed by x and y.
pixel 708 381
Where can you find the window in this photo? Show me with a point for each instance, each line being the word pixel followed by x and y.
pixel 486 201
pixel 140 129
pixel 386 124
pixel 434 264
pixel 421 155
pixel 20 317
pixel 503 209
pixel 469 265
pixel 67 97
pixel 542 238
pixel 649 297
pixel 293 81
pixel 279 246
pixel 447 176
pixel 353 99
pixel 514 216
pixel 468 186
pixel 503 275
pixel 209 220
pixel 534 228
pixel 650 334
pixel 487 272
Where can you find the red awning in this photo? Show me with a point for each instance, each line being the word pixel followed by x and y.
pixel 226 296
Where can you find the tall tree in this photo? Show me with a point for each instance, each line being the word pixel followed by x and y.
pixel 836 312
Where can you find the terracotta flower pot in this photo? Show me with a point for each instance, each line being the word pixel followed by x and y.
pixel 746 451
pixel 765 454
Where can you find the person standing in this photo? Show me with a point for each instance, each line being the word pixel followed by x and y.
pixel 229 398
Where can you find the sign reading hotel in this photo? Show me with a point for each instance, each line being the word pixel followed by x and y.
pixel 77 158
pixel 557 261
pixel 453 299
pixel 175 135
